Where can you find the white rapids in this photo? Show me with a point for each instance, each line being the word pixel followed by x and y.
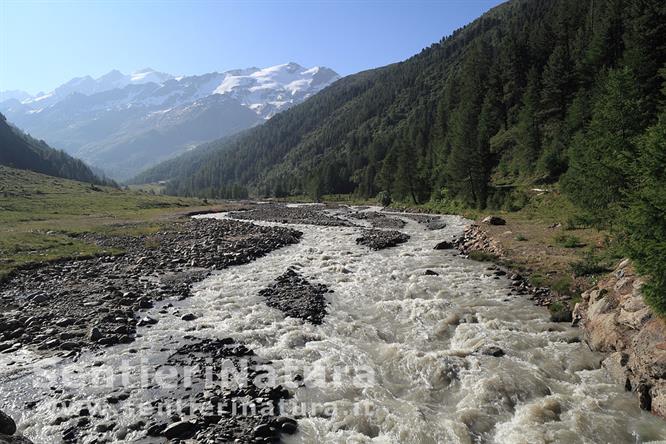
pixel 419 337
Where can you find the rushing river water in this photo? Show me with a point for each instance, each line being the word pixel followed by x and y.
pixel 409 347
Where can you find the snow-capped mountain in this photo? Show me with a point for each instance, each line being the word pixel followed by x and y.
pixel 124 123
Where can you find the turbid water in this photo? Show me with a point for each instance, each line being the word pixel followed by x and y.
pixel 400 357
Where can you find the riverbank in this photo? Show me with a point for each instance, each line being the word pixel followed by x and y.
pixel 609 307
pixel 46 219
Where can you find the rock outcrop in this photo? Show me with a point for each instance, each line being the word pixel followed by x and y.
pixel 616 320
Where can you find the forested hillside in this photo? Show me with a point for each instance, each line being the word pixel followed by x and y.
pixel 535 92
pixel 19 150
pixel 499 103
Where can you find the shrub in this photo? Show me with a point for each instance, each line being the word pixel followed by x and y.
pixel 562 285
pixel 588 266
pixel 537 280
pixel 568 241
pixel 384 198
pixel 577 222
pixel 482 256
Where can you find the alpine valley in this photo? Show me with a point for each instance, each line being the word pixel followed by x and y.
pixel 124 123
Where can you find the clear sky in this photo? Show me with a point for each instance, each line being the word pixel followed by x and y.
pixel 45 43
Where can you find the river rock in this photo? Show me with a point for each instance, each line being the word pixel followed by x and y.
pixel 615 365
pixel 493 351
pixel 562 314
pixel 289 428
pixel 7 424
pixel 95 335
pixel 444 245
pixel 494 220
pixel 39 298
pixel 182 429
pixel 436 225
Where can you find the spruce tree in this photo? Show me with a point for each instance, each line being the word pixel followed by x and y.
pixel 600 158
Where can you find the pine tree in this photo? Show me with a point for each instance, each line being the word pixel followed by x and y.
pixel 645 46
pixel 558 83
pixel 528 131
pixel 600 158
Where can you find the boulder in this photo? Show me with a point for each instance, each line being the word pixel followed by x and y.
pixel 634 319
pixel 615 365
pixel 444 245
pixel 561 315
pixel 436 225
pixel 603 333
pixel 658 395
pixel 262 430
pixel 181 429
pixel 493 351
pixel 598 308
pixel 7 424
pixel 493 220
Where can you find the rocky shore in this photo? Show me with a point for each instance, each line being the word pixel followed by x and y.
pixel 236 409
pixel 617 321
pixel 98 302
pixel 379 220
pixel 475 239
pixel 279 213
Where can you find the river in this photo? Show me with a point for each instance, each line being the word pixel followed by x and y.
pixel 403 352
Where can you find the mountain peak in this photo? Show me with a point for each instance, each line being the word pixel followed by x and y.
pixel 144 70
pixel 147 75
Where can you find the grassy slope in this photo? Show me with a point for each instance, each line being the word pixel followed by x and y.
pixel 39 214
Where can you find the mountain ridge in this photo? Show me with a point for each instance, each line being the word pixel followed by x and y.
pixel 125 123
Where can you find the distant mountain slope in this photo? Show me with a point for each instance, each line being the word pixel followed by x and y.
pixel 187 163
pixel 493 106
pixel 126 123
pixel 19 150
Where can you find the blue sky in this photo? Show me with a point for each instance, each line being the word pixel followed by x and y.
pixel 45 43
